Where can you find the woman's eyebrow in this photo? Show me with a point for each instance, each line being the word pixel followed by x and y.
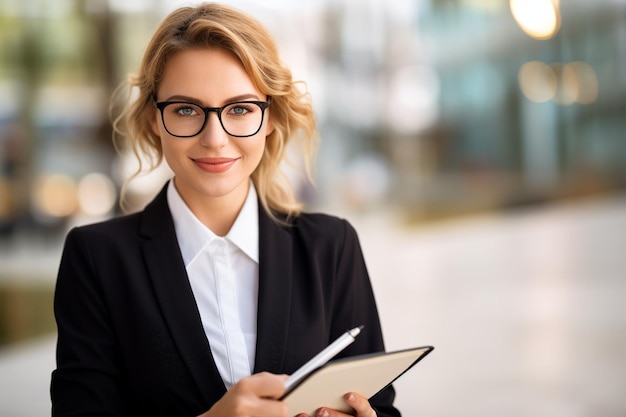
pixel 240 97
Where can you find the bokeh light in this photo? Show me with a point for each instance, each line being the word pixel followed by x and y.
pixel 540 19
pixel 565 84
pixel 96 194
pixel 538 81
pixel 55 196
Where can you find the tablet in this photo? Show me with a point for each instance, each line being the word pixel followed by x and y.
pixel 365 374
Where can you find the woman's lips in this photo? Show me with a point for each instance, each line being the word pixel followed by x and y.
pixel 215 165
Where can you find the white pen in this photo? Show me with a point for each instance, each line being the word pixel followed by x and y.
pixel 324 356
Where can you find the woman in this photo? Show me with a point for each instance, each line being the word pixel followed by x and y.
pixel 202 303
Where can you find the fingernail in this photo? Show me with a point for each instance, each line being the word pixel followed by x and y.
pixel 351 397
pixel 323 413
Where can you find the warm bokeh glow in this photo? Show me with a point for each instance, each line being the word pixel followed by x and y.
pixel 538 81
pixel 55 195
pixel 96 194
pixel 540 19
pixel 565 84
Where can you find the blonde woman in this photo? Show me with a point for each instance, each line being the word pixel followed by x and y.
pixel 203 302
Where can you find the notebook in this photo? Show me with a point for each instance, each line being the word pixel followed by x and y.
pixel 364 374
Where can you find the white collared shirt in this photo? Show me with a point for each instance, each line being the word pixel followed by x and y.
pixel 223 273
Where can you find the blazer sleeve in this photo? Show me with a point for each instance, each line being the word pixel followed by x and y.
pixel 355 303
pixel 87 379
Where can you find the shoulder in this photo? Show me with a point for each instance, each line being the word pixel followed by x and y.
pixel 314 220
pixel 324 223
pixel 321 227
pixel 115 231
pixel 127 223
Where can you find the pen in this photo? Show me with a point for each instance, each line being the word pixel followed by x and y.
pixel 324 356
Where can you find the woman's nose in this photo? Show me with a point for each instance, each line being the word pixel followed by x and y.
pixel 213 135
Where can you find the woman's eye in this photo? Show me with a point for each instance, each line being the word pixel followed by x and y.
pixel 186 111
pixel 238 110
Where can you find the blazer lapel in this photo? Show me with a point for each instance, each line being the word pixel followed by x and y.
pixel 173 292
pixel 275 275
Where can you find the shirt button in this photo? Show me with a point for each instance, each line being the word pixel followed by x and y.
pixel 217 245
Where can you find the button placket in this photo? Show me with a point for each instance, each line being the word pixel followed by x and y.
pixel 228 312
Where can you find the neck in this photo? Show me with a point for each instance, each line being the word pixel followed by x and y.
pixel 216 213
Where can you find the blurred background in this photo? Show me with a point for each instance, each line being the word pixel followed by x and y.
pixel 479 146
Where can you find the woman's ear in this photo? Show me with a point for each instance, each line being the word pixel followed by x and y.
pixel 153 115
pixel 269 129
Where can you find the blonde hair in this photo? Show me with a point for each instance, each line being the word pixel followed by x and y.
pixel 212 25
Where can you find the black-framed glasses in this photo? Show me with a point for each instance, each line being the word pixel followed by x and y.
pixel 239 119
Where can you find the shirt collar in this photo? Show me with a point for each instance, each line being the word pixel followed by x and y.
pixel 193 235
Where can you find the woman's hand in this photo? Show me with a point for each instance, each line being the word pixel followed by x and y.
pixel 254 396
pixel 354 400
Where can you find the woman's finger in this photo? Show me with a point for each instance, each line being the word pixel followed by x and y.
pixel 263 385
pixel 360 404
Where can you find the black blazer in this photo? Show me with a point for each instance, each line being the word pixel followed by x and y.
pixel 130 338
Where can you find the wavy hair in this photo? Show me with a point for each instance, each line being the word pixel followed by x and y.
pixel 212 25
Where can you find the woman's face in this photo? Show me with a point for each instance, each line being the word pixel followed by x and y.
pixel 211 164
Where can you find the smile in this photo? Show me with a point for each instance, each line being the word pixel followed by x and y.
pixel 215 165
